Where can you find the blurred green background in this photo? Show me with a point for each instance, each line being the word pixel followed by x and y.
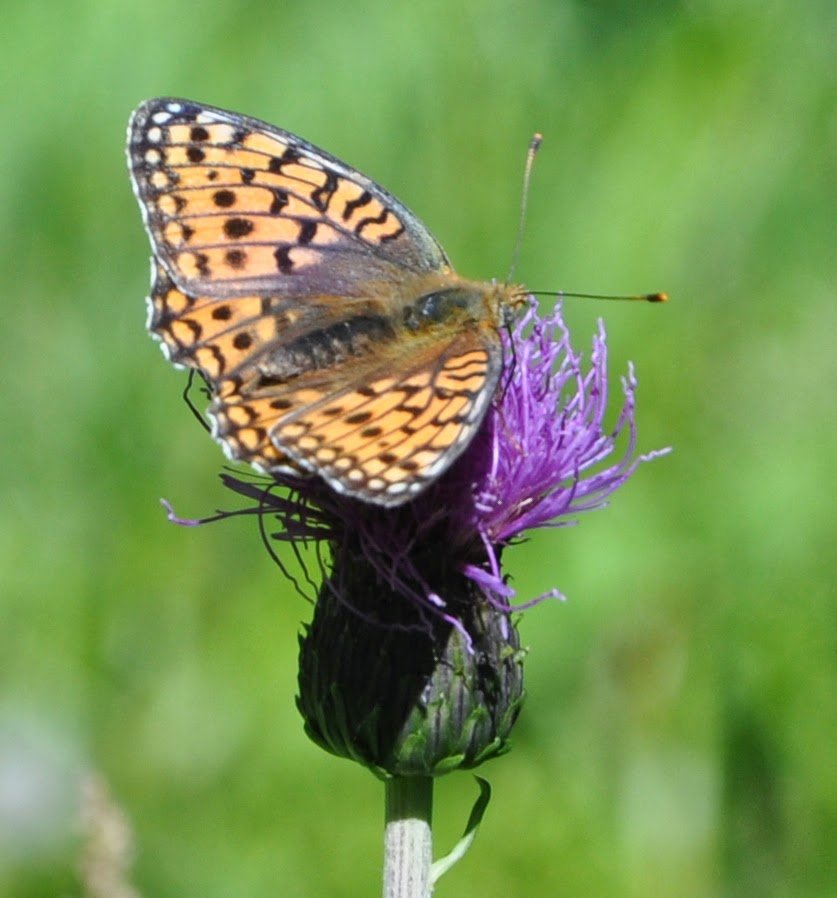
pixel 680 728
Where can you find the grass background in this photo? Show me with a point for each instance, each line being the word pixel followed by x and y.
pixel 681 718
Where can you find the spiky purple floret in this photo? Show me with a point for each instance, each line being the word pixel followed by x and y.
pixel 538 461
pixel 544 445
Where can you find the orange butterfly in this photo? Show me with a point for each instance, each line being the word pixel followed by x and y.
pixel 335 336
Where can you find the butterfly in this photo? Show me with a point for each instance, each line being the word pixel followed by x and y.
pixel 333 333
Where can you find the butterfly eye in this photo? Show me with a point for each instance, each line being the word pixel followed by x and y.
pixel 443 306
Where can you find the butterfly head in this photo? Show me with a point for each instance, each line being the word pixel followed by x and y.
pixel 509 300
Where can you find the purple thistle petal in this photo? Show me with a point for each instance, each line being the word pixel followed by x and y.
pixel 546 432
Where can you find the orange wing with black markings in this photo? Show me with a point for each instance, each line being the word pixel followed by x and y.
pixel 234 205
pixel 387 435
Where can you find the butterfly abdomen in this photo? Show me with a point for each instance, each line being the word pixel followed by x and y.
pixel 326 347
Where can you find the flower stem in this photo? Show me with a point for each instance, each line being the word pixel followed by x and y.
pixel 408 837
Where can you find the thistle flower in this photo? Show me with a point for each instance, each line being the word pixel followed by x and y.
pixel 412 663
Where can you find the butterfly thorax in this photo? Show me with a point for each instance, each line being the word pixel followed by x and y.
pixel 456 302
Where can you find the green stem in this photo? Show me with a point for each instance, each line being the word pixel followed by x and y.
pixel 408 837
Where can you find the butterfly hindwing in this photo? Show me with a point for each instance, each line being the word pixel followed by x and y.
pixel 383 435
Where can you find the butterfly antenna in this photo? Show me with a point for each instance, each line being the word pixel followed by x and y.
pixel 534 146
pixel 644 297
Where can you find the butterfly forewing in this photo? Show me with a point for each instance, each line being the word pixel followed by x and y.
pixel 233 204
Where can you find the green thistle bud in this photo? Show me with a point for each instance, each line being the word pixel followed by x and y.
pixel 408 695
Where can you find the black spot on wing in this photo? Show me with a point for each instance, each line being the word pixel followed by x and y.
pixel 321 196
pixel 284 263
pixel 351 205
pixel 236 228
pixel 223 199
